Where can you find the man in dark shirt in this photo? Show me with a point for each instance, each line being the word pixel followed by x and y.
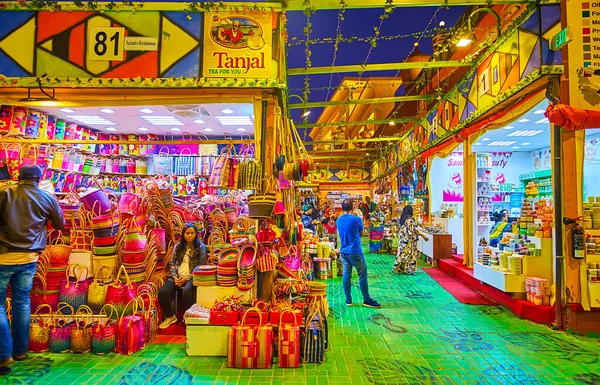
pixel 349 228
pixel 25 210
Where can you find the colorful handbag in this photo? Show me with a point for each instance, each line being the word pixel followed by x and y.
pixel 250 346
pixel 99 287
pixel 104 334
pixel 39 330
pixel 130 330
pixel 219 176
pixel 266 259
pixel 60 330
pixel 150 316
pixel 81 236
pixel 81 333
pixel 288 350
pixel 74 290
pixel 6 114
pixel 184 164
pixel 315 338
pixel 119 294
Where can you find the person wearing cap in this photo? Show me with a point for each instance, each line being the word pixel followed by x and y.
pixel 25 210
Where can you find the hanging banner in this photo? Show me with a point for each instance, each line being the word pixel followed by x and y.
pixel 238 46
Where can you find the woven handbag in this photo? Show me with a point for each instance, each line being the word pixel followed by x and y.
pixel 39 330
pixel 81 334
pixel 261 204
pixel 130 330
pixel 104 334
pixel 98 288
pixel 81 235
pixel 74 290
pixel 60 329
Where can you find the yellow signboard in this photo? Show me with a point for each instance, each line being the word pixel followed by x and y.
pixel 583 18
pixel 237 46
pixel 105 43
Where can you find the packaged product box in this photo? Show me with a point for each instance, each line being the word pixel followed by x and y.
pixel 114 148
pixel 134 149
pixel 59 130
pixel 19 120
pixel 206 340
pixel 124 147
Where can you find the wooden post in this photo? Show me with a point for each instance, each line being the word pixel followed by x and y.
pixel 469 206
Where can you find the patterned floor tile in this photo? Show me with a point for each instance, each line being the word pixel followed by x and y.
pixel 422 335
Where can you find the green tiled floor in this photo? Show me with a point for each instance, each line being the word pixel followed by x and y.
pixel 421 336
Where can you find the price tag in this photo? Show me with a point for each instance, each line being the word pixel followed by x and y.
pixel 106 43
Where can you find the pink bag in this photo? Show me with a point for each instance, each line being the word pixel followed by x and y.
pixel 131 330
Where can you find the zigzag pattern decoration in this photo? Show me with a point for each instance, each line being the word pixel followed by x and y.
pixel 55 44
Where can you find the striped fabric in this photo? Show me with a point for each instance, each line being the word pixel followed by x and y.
pixel 250 347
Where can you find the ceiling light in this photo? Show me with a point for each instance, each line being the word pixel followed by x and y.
pixel 525 144
pixel 162 120
pixel 526 133
pixel 502 144
pixel 107 111
pixel 146 111
pixel 485 139
pixel 199 121
pixel 525 120
pixel 509 127
pixel 67 110
pixel 235 120
pixel 539 111
pixel 142 128
pixel 515 147
pixel 227 111
pixel 464 41
pixel 110 129
pixel 392 123
pixel 207 129
pixel 241 129
pixel 175 129
pixel 543 121
pixel 91 120
pixel 305 114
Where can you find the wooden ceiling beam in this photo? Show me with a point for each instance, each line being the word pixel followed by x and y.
pixel 403 98
pixel 358 123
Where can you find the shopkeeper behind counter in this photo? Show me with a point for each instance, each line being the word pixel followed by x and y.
pixel 499 228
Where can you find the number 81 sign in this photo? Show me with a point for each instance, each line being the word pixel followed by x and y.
pixel 105 43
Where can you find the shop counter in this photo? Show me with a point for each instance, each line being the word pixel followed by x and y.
pixel 207 295
pixel 540 267
pixel 439 246
pixel 454 227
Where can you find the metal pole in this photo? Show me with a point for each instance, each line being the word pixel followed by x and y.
pixel 263 135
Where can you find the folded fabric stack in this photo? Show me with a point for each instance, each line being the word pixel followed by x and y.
pixel 205 275
pixel 246 267
pixel 227 269
pixel 197 315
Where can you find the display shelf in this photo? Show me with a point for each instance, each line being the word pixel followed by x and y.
pixel 502 280
pixel 438 246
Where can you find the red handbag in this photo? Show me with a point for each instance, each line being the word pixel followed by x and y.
pixel 119 294
pixel 288 352
pixel 104 334
pixel 250 346
pixel 130 330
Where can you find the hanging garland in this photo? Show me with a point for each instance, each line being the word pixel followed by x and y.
pixel 308 12
pixel 338 39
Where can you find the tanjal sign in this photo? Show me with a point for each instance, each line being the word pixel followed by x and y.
pixel 237 46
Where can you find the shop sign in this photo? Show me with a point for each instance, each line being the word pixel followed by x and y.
pixel 560 39
pixel 141 44
pixel 105 43
pixel 237 46
pixel 584 51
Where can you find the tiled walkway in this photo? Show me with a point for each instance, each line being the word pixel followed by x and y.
pixel 422 336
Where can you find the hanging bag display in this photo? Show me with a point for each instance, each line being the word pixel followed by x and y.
pixel 207 149
pixel 184 163
pixel 163 163
pixel 261 204
pixel 250 346
pixel 219 177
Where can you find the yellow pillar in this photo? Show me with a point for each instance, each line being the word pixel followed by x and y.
pixel 469 207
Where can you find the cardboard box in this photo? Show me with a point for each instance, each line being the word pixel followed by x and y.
pixel 206 340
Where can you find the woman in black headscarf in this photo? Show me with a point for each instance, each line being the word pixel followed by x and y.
pixel 408 235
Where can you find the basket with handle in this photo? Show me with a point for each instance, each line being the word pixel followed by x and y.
pixel 120 294
pixel 39 329
pixel 104 333
pixel 81 333
pixel 261 204
pixel 98 287
pixel 130 330
pixel 81 235
pixel 74 290
pixel 60 329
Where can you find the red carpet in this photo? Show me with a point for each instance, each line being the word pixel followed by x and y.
pixel 459 290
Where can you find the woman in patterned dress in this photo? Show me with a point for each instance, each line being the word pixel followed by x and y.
pixel 408 235
pixel 376 228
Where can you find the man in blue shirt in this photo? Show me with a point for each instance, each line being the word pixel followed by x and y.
pixel 349 228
